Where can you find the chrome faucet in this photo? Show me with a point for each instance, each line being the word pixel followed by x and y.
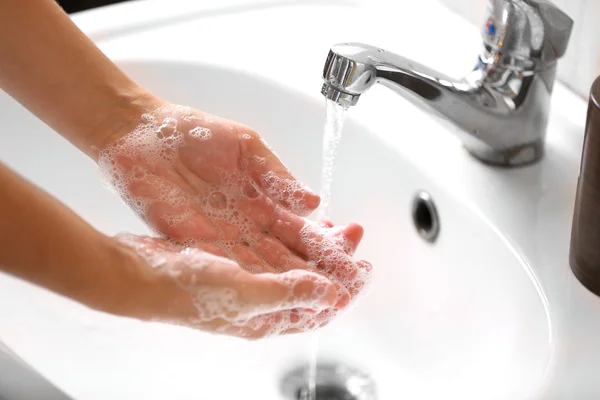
pixel 501 107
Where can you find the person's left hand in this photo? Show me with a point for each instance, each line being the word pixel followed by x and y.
pixel 191 287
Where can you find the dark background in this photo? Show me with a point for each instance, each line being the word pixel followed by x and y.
pixel 71 6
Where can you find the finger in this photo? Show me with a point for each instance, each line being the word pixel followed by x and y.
pixel 292 322
pixel 211 248
pixel 228 232
pixel 144 189
pixel 312 242
pixel 326 223
pixel 325 317
pixel 338 266
pixel 344 296
pixel 287 227
pixel 259 210
pixel 299 234
pixel 353 234
pixel 361 278
pixel 180 222
pixel 350 237
pixel 275 220
pixel 276 254
pixel 250 261
pixel 292 331
pixel 267 293
pixel 269 173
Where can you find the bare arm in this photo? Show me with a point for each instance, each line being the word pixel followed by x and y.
pixel 45 243
pixel 56 72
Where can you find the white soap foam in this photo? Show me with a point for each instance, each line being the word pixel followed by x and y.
pixel 286 192
pixel 200 133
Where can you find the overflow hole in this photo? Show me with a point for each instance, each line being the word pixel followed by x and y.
pixel 425 217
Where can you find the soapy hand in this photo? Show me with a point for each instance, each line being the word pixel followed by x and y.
pixel 197 289
pixel 212 185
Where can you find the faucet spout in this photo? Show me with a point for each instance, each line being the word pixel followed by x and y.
pixel 501 113
pixel 352 68
pixel 501 107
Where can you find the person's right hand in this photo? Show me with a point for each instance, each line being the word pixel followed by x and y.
pixel 194 288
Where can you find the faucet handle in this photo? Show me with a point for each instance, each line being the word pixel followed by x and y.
pixel 529 32
pixel 558 26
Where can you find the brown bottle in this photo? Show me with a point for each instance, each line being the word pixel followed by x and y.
pixel 585 236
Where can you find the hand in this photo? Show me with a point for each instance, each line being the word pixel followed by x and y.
pixel 194 288
pixel 212 184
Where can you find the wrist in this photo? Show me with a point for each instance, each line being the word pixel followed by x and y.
pixel 141 292
pixel 106 277
pixel 118 117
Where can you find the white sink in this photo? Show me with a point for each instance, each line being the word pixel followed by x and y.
pixel 489 311
pixel 465 312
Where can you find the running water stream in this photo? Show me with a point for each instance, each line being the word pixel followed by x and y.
pixel 334 123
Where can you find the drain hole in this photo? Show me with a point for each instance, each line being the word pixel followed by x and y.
pixel 333 382
pixel 326 393
pixel 425 217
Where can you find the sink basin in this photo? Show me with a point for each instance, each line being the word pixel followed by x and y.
pixel 490 310
pixel 465 312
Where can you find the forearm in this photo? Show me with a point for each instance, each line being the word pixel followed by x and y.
pixel 44 242
pixel 54 70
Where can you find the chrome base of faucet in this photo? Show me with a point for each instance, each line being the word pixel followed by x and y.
pixel 513 157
